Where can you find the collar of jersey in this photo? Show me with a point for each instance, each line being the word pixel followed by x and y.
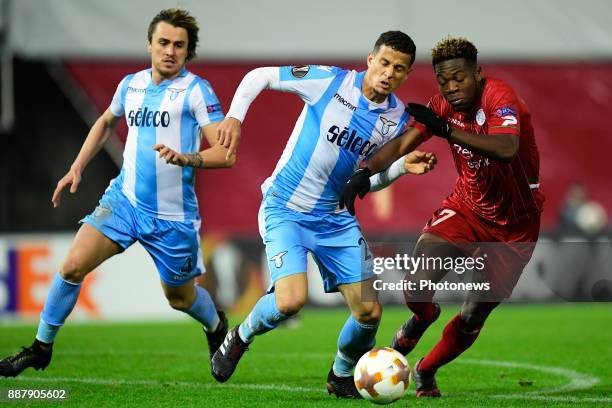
pixel 373 106
pixel 166 82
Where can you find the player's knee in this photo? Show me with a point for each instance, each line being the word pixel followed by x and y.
pixel 473 317
pixel 472 320
pixel 368 313
pixel 290 305
pixel 73 269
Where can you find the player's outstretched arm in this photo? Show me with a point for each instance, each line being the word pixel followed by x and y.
pixel 393 150
pixel 214 157
pixel 415 162
pixel 495 146
pixel 98 135
pixel 228 133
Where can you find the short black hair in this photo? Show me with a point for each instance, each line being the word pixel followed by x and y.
pixel 178 18
pixel 453 47
pixel 398 41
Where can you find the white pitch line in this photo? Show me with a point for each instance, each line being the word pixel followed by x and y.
pixel 554 398
pixel 175 352
pixel 577 381
pixel 109 381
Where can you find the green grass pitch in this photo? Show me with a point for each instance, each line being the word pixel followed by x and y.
pixel 527 355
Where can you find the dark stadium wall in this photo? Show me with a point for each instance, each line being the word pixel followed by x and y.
pixel 38 151
pixel 566 101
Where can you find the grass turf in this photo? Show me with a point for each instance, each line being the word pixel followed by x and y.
pixel 522 351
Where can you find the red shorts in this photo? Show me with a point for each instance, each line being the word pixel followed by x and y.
pixel 508 248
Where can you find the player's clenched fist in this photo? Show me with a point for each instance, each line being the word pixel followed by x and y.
pixel 426 116
pixel 357 185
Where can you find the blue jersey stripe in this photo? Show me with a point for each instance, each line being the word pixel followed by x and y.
pixel 402 122
pixel 292 173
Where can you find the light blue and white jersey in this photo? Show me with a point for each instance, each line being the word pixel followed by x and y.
pixel 337 129
pixel 171 113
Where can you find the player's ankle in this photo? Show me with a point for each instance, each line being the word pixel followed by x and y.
pixel 242 337
pixel 41 345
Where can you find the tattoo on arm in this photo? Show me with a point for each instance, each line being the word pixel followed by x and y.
pixel 195 160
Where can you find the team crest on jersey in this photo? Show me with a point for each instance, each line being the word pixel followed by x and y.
pixel 480 117
pixel 300 72
pixel 278 259
pixel 174 93
pixel 387 124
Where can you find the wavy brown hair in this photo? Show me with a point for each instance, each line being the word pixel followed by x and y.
pixel 178 18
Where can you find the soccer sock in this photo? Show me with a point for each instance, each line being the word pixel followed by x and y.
pixel 354 341
pixel 264 317
pixel 423 311
pixel 60 301
pixel 456 338
pixel 203 310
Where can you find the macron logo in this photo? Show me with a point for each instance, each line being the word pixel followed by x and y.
pixel 345 102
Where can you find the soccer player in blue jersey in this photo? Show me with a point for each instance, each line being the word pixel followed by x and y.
pixel 152 201
pixel 346 117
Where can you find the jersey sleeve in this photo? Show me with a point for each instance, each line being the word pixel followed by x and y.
pixel 204 104
pixel 308 81
pixel 117 106
pixel 502 110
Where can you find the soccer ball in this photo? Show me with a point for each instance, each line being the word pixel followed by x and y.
pixel 382 375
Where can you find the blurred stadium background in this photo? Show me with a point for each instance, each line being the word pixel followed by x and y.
pixel 62 60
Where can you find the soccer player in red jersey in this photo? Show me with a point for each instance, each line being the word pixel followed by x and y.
pixel 496 198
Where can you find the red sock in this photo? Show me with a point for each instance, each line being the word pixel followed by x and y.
pixel 423 311
pixel 455 340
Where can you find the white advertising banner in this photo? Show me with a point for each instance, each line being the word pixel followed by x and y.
pixel 124 287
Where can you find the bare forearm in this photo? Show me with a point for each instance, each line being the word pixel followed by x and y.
pixel 195 160
pixel 98 135
pixel 395 149
pixel 212 158
pixel 501 146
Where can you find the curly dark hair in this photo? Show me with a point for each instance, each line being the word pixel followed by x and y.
pixel 451 48
pixel 398 41
pixel 178 18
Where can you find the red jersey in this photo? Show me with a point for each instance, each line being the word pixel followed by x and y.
pixel 499 192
